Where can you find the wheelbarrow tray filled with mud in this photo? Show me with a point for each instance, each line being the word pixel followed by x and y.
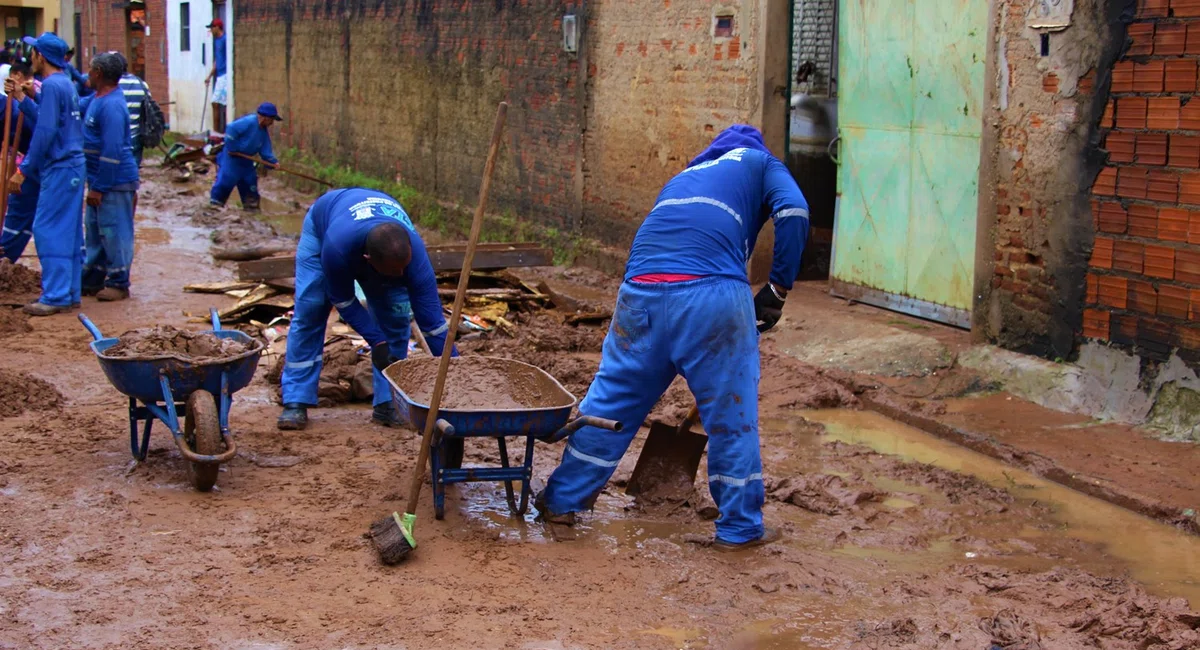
pixel 487 397
pixel 168 386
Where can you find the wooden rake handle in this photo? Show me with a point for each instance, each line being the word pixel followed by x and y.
pixel 435 400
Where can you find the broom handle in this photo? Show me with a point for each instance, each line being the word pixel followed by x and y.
pixel 435 401
pixel 5 172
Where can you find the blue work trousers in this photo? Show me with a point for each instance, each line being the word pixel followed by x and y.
pixel 306 336
pixel 108 239
pixel 18 221
pixel 704 330
pixel 234 172
pixel 58 228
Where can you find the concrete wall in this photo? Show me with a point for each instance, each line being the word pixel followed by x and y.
pixel 661 85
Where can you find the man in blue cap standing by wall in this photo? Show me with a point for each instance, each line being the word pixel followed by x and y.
pixel 55 159
pixel 249 135
pixel 686 308
pixel 358 235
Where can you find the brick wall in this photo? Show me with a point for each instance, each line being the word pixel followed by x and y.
pixel 409 89
pixel 1143 281
pixel 661 84
pixel 104 29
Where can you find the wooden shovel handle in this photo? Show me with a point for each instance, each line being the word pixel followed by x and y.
pixel 689 420
pixel 435 400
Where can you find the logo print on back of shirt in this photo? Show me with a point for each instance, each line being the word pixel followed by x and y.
pixel 363 213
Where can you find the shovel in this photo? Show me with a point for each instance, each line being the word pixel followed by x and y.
pixel 666 469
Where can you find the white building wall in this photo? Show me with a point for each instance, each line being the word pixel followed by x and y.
pixel 187 70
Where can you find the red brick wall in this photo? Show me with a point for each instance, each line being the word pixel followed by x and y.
pixel 106 31
pixel 1143 281
pixel 409 89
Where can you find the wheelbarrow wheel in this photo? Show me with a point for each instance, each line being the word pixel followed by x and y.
pixel 202 432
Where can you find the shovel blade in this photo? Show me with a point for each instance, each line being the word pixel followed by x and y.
pixel 666 469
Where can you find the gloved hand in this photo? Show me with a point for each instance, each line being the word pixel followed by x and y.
pixel 381 356
pixel 768 307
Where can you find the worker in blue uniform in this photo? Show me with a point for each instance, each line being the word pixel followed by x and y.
pixel 364 236
pixel 249 135
pixel 55 159
pixel 686 308
pixel 112 177
pixel 18 219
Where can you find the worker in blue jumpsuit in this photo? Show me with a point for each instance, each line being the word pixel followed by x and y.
pixel 112 177
pixel 358 235
pixel 18 219
pixel 55 159
pixel 249 135
pixel 686 308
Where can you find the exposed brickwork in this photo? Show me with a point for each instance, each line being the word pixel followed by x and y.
pixel 1147 219
pixel 106 29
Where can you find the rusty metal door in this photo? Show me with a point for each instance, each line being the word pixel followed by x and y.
pixel 911 77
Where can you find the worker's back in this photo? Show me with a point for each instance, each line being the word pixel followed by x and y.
pixel 706 219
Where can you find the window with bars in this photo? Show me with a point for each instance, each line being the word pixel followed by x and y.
pixel 185 27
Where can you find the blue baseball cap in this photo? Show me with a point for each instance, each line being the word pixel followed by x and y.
pixel 50 46
pixel 267 109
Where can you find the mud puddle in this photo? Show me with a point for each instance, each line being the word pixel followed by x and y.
pixel 1165 560
pixel 286 216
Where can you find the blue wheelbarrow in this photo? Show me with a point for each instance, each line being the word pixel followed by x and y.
pixel 165 387
pixel 549 424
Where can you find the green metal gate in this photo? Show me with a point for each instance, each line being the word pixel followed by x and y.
pixel 910 86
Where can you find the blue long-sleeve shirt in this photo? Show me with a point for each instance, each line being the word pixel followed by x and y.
pixel 707 219
pixel 219 55
pixel 245 136
pixel 58 136
pixel 106 141
pixel 342 219
pixel 80 80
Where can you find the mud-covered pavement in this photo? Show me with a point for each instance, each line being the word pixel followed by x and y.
pixel 880 552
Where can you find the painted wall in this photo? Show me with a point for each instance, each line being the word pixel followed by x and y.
pixel 51 11
pixel 189 68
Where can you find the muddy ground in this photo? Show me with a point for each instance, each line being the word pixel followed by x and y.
pixel 879 552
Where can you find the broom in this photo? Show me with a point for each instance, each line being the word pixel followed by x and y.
pixel 393 535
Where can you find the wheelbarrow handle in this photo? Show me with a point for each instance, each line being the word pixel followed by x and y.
pixel 91 327
pixel 216 319
pixel 583 421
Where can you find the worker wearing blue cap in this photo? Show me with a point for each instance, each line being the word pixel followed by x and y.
pixel 686 308
pixel 55 159
pixel 249 135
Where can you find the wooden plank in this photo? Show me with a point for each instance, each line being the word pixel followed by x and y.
pixel 268 268
pixel 489 256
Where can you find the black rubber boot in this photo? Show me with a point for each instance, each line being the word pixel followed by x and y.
pixel 385 415
pixel 544 514
pixel 293 418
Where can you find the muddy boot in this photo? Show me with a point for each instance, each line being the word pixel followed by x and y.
pixel 769 535
pixel 42 309
pixel 385 415
pixel 90 291
pixel 112 294
pixel 251 204
pixel 539 502
pixel 293 418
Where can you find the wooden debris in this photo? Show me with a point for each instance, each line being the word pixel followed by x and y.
pixel 269 268
pixel 588 318
pixel 247 253
pixel 445 258
pixel 218 287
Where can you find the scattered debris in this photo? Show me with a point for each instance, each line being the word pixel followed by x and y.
pixel 20 392
pixel 18 281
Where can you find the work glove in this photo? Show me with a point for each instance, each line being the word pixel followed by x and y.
pixel 381 356
pixel 768 307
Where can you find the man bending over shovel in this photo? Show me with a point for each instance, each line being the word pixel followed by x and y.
pixel 686 308
pixel 359 235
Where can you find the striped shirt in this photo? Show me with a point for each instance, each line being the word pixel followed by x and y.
pixel 134 89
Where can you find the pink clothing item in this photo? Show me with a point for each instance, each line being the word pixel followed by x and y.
pixel 660 278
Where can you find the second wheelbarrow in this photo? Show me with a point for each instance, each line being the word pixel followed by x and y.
pixel 549 422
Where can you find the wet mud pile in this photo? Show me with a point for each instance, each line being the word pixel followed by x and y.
pixel 18 280
pixel 13 321
pixel 345 375
pixel 21 392
pixel 167 340
pixel 478 383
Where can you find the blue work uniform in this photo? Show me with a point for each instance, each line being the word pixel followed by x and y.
pixel 112 171
pixel 329 260
pixel 18 219
pixel 244 136
pixel 55 159
pixel 704 224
